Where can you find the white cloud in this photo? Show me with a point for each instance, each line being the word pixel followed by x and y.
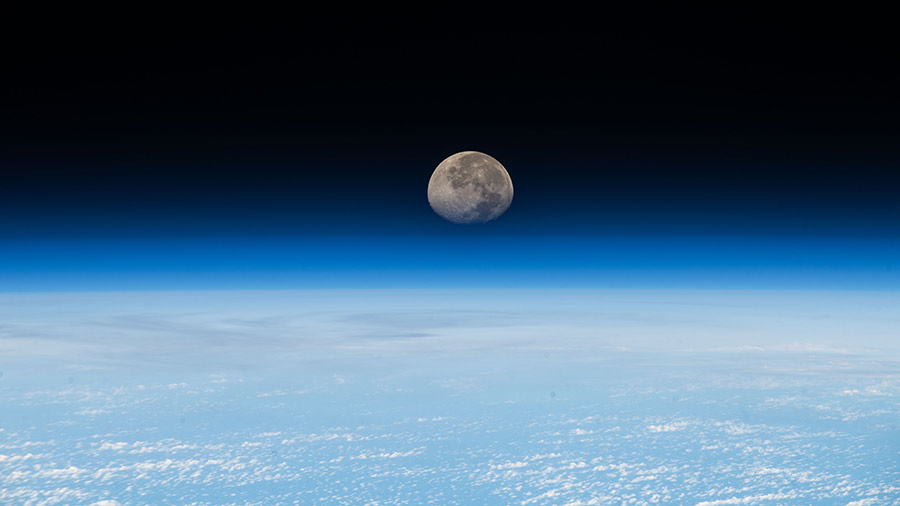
pixel 387 455
pixel 510 465
pixel 668 427
pixel 106 445
pixel 750 499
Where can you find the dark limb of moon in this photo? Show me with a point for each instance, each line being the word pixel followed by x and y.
pixel 470 187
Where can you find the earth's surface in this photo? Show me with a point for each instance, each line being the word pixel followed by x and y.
pixel 343 398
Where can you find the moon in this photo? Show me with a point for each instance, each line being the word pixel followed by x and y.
pixel 470 187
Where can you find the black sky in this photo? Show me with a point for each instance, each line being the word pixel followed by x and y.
pixel 661 121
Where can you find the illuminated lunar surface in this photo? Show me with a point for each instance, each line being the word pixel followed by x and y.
pixel 470 187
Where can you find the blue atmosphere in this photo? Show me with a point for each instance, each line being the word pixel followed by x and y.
pixel 449 261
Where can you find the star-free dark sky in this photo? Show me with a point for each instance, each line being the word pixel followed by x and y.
pixel 659 124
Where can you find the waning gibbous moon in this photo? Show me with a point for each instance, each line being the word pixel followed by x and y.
pixel 470 187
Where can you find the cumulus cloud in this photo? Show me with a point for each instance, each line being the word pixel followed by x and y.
pixel 750 499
